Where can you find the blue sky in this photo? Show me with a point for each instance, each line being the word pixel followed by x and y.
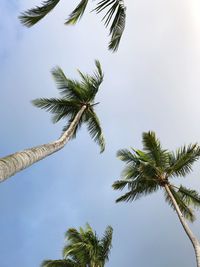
pixel 151 83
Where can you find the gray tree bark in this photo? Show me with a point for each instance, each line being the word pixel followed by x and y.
pixel 18 161
pixel 188 231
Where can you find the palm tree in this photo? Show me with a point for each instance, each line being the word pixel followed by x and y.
pixel 115 16
pixel 152 169
pixel 76 104
pixel 84 249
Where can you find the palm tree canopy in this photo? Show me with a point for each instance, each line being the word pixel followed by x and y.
pixel 84 249
pixel 74 95
pixel 115 16
pixel 152 168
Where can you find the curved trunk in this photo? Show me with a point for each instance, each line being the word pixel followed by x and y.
pixel 20 160
pixel 188 231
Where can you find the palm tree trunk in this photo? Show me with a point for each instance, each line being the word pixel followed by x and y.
pixel 18 161
pixel 188 231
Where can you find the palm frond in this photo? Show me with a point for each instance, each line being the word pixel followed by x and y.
pixel 59 263
pixel 189 196
pixel 70 89
pixel 181 162
pixel 77 12
pixel 73 235
pixel 33 15
pixel 91 83
pixel 95 130
pixel 152 146
pixel 138 188
pixel 60 108
pixel 117 10
pixel 126 156
pixel 97 77
pixel 106 244
pixel 121 184
pixel 131 171
pixel 127 197
pixel 184 208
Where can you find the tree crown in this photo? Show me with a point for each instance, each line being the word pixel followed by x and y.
pixel 115 16
pixel 152 168
pixel 84 248
pixel 74 95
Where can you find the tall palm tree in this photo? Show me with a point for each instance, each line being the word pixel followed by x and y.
pixel 84 249
pixel 115 16
pixel 152 169
pixel 76 105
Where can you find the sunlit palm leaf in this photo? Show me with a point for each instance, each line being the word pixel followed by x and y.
pixel 33 15
pixel 77 12
pixel 117 10
pixel 59 263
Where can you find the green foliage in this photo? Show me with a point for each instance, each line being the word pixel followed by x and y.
pixel 153 149
pixel 183 206
pixel 33 15
pixel 74 95
pixel 77 12
pixel 115 16
pixel 150 169
pixel 189 196
pixel 181 162
pixel 59 263
pixel 84 249
pixel 136 188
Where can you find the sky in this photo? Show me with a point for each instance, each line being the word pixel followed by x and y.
pixel 151 83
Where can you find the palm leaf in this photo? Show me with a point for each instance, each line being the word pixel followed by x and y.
pixel 189 196
pixel 73 235
pixel 181 162
pixel 141 187
pixel 60 108
pixel 106 243
pixel 91 83
pixel 77 12
pixel 95 130
pixel 152 146
pixel 33 15
pixel 70 89
pixel 121 184
pixel 184 208
pixel 126 156
pixel 117 10
pixel 59 263
pixel 96 79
